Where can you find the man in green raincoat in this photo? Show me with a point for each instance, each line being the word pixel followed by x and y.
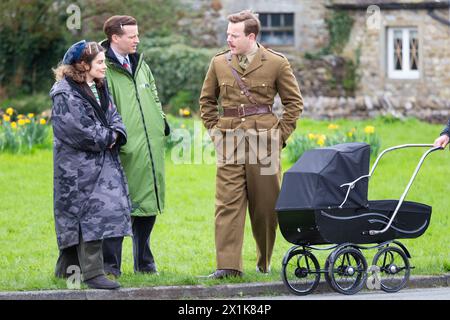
pixel 133 88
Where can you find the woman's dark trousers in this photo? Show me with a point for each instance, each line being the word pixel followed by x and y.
pixel 143 257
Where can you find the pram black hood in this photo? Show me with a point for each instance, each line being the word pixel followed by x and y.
pixel 314 180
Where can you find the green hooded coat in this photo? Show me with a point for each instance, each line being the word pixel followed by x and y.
pixel 136 98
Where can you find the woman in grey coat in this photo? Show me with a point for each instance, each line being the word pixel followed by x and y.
pixel 91 200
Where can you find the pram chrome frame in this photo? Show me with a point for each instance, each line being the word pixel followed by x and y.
pixel 351 185
pixel 346 269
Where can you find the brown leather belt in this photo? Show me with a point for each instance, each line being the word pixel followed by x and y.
pixel 245 110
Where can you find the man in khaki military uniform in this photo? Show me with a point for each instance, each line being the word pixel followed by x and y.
pixel 246 96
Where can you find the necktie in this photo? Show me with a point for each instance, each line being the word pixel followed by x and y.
pixel 243 62
pixel 126 65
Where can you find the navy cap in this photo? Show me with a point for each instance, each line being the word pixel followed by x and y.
pixel 74 53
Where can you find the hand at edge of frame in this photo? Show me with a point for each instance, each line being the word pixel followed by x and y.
pixel 441 141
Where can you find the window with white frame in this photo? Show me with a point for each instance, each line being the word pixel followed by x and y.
pixel 403 53
pixel 277 28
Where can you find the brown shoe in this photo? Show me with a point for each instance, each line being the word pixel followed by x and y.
pixel 225 273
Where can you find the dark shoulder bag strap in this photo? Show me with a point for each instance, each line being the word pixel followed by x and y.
pixel 239 80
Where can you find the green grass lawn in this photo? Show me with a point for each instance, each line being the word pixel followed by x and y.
pixel 183 238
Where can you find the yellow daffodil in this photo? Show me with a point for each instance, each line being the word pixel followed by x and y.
pixel 186 112
pixel 42 121
pixel 333 126
pixel 27 121
pixel 6 118
pixel 351 132
pixel 21 122
pixel 30 115
pixel 369 129
pixel 10 111
pixel 311 136
pixel 321 142
pixel 13 125
pixel 20 116
pixel 321 139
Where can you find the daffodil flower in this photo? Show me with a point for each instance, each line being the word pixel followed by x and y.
pixel 369 129
pixel 333 126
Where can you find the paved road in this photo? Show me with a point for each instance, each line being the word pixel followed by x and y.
pixel 405 294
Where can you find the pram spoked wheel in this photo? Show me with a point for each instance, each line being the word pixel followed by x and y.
pixel 394 268
pixel 300 272
pixel 346 270
pixel 336 211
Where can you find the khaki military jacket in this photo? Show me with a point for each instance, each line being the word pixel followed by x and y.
pixel 269 73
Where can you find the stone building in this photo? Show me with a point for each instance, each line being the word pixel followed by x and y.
pixel 400 49
pixel 404 53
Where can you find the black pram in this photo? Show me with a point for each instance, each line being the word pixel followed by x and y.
pixel 323 200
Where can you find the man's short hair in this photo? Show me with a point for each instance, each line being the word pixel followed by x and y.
pixel 115 24
pixel 250 19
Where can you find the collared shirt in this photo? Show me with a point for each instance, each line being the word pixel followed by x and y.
pixel 245 60
pixel 252 53
pixel 93 88
pixel 121 58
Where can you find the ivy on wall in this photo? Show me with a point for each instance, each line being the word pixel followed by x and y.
pixel 339 26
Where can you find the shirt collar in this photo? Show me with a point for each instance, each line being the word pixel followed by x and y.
pixel 251 53
pixel 120 57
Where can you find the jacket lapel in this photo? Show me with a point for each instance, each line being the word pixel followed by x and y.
pixel 256 62
pixel 235 64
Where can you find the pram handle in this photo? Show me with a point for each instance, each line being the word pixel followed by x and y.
pixel 352 184
pixel 375 232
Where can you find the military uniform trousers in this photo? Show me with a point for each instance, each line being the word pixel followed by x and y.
pixel 245 184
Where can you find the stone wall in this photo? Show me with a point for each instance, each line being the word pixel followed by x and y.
pixel 206 23
pixel 203 23
pixel 310 29
pixel 429 109
pixel 434 55
pixel 427 98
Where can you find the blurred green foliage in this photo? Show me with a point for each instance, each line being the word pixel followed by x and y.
pixel 35 35
pixel 179 70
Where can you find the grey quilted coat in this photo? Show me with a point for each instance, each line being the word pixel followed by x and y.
pixel 90 189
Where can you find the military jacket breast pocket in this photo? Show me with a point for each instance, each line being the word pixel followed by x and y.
pixel 226 86
pixel 263 87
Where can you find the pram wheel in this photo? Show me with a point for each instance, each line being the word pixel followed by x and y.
pixel 347 270
pixel 326 267
pixel 300 272
pixel 394 268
